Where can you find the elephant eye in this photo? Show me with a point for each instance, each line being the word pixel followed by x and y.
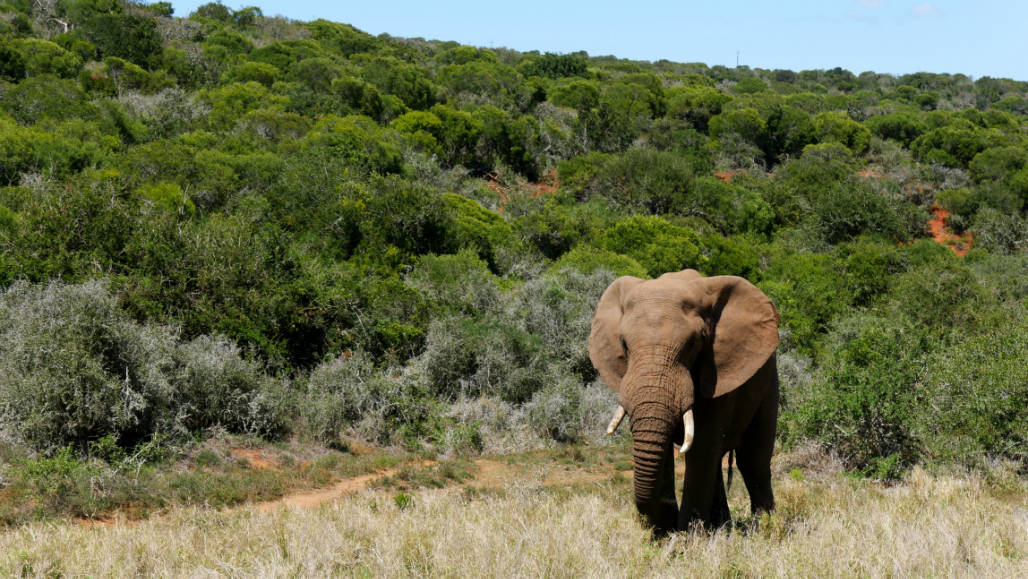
pixel 624 346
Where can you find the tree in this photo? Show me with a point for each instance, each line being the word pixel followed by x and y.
pixel 393 76
pixel 39 57
pixel 695 104
pixel 129 36
pixel 903 127
pixel 551 65
pixel 839 128
pixel 578 94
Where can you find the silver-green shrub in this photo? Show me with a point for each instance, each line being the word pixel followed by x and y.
pixel 558 309
pixel 472 357
pixel 74 368
pixel 339 393
pixel 566 411
pixel 215 385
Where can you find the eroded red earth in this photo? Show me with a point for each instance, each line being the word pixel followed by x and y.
pixel 960 244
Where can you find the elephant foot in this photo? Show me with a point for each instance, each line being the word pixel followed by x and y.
pixel 662 521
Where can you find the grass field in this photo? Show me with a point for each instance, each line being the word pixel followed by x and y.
pixel 565 513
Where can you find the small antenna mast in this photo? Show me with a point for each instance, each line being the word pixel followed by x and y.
pixel 736 59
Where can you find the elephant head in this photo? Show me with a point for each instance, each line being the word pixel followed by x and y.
pixel 663 344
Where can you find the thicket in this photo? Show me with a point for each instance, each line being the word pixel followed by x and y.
pixel 268 226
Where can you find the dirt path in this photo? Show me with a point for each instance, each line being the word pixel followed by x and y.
pixel 490 473
pixel 313 498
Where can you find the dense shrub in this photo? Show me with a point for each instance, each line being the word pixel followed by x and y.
pixel 971 401
pixel 466 357
pixel 903 127
pixel 558 310
pixel 656 244
pixel 129 36
pixel 1000 233
pixel 475 227
pixel 645 180
pixel 843 211
pixel 76 368
pixel 344 392
pixel 460 282
pixel 862 401
pixel 587 259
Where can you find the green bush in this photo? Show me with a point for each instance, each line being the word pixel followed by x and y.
pixel 839 128
pixel 739 255
pixel 728 207
pixel 945 298
pixel 862 402
pixel 231 102
pixel 903 127
pixel 843 211
pixel 646 180
pixel 953 146
pixel 356 139
pixel 167 197
pixel 578 94
pixel 655 244
pixel 460 282
pixel 810 292
pixel 47 97
pixel 44 57
pixel 261 72
pixel 359 97
pixel 696 104
pixel 973 396
pixel 588 259
pixel 393 76
pixel 553 227
pixel 129 36
pixel 555 66
pixel 475 227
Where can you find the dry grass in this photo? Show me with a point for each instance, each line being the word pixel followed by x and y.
pixel 828 526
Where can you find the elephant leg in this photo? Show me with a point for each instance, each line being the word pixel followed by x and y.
pixel 703 490
pixel 754 454
pixel 720 515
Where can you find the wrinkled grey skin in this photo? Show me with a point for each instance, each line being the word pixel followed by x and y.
pixel 683 342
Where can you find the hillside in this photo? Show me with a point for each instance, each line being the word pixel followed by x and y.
pixel 229 225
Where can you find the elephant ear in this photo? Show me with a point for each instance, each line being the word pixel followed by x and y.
pixel 605 350
pixel 744 334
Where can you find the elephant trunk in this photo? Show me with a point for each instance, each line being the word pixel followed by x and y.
pixel 651 438
pixel 656 419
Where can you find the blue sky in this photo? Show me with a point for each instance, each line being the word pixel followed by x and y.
pixel 976 38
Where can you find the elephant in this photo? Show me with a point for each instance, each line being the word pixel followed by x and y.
pixel 692 359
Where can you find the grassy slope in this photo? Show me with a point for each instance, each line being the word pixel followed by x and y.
pixel 529 525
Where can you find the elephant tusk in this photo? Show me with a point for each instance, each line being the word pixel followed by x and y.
pixel 690 431
pixel 619 415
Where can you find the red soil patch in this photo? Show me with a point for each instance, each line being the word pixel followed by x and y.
pixel 869 174
pixel 726 176
pixel 254 457
pixel 960 244
pixel 548 184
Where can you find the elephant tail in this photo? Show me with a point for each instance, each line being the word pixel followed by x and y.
pixel 731 460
